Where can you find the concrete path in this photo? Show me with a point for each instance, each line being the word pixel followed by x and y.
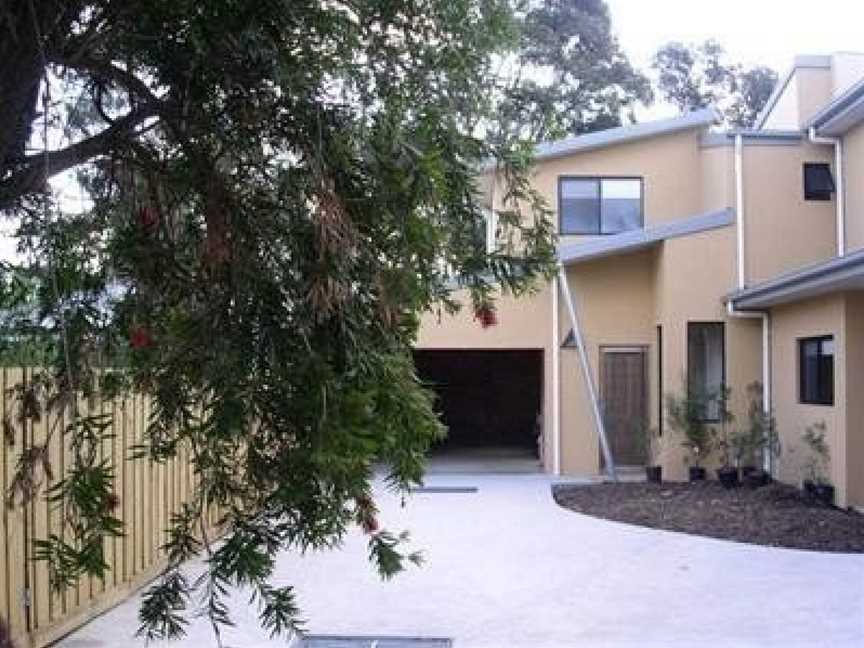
pixel 508 567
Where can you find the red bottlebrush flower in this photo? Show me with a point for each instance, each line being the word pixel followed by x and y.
pixel 486 315
pixel 112 501
pixel 370 525
pixel 365 513
pixel 140 338
pixel 148 218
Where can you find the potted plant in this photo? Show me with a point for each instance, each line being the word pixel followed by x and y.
pixel 684 415
pixel 653 447
pixel 759 437
pixel 816 483
pixel 727 474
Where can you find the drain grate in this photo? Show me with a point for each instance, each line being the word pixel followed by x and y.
pixel 445 489
pixel 338 641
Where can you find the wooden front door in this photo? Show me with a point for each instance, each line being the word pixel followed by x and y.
pixel 624 403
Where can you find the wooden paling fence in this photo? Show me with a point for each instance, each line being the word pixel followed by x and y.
pixel 147 493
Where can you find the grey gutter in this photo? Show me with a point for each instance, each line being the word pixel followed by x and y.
pixel 813 62
pixel 817 279
pixel 752 138
pixel 842 113
pixel 622 134
pixel 571 253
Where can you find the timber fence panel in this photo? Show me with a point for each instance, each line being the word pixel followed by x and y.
pixel 147 495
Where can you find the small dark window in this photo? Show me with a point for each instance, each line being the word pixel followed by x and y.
pixel 818 181
pixel 816 370
pixel 706 366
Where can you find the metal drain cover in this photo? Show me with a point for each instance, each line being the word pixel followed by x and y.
pixel 444 489
pixel 339 641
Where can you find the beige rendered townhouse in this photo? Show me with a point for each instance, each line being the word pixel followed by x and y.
pixel 688 256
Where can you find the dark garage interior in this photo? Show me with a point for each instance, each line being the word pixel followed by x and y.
pixel 487 399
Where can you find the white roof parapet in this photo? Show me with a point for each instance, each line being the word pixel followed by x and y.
pixel 806 61
pixel 571 253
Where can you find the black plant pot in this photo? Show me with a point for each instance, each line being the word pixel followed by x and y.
pixel 728 476
pixel 810 488
pixel 824 494
pixel 654 474
pixel 746 471
pixel 697 473
pixel 755 477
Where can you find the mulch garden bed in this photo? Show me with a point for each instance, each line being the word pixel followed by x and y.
pixel 775 515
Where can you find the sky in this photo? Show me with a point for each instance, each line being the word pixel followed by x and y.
pixel 766 32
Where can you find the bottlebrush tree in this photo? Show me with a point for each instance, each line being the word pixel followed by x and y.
pixel 277 190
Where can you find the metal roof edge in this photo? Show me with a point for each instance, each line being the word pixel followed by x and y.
pixel 637 239
pixel 842 106
pixel 623 134
pixel 753 138
pixel 798 280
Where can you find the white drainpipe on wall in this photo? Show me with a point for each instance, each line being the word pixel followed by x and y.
pixel 742 283
pixel 840 196
pixel 739 208
pixel 555 426
pixel 767 458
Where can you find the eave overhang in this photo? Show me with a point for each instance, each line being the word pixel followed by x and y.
pixel 842 114
pixel 837 275
pixel 635 240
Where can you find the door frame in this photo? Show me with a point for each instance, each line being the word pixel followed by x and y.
pixel 645 350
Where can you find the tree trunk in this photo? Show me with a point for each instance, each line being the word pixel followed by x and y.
pixel 20 74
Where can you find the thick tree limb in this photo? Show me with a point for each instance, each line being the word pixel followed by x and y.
pixel 30 176
pixel 108 72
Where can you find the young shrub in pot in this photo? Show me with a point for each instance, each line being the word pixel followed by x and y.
pixel 727 474
pixel 759 438
pixel 653 450
pixel 685 416
pixel 817 484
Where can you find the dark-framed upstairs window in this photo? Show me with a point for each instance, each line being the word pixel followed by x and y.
pixel 816 370
pixel 599 205
pixel 706 366
pixel 818 181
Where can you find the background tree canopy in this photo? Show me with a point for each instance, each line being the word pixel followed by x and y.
pixel 571 76
pixel 697 76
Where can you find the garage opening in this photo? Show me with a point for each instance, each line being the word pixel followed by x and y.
pixel 491 403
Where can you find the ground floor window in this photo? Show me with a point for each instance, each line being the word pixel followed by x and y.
pixel 706 365
pixel 816 370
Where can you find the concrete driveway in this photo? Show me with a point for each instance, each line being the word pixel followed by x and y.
pixel 508 567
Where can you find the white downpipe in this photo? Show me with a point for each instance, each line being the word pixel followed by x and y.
pixel 586 371
pixel 767 376
pixel 742 283
pixel 556 384
pixel 840 196
pixel 739 208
